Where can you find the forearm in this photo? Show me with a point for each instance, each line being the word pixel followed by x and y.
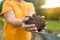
pixel 15 22
pixel 11 18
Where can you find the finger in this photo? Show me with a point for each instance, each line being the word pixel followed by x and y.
pixel 29 27
pixel 43 30
pixel 32 29
pixel 45 27
pixel 34 32
pixel 32 25
pixel 42 17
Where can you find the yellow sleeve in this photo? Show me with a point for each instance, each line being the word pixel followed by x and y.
pixel 6 7
pixel 32 7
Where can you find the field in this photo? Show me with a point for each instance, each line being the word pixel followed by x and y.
pixel 53 25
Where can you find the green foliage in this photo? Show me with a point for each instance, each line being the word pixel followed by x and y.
pixel 53 25
pixel 40 12
pixel 2 21
pixel 1 4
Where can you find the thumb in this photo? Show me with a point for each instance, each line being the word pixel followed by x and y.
pixel 25 19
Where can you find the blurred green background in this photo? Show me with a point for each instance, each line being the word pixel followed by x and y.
pixel 52 15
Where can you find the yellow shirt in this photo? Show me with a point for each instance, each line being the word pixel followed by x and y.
pixel 21 10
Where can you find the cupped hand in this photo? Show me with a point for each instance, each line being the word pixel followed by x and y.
pixel 31 28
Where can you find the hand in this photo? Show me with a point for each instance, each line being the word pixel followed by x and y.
pixel 30 28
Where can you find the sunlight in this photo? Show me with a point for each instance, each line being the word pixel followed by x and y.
pixel 1 1
pixel 51 4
